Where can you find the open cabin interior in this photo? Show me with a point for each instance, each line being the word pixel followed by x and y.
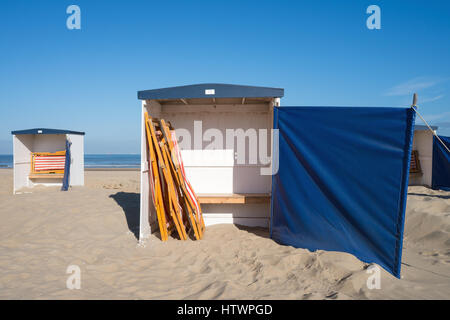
pixel 421 172
pixel 30 144
pixel 230 190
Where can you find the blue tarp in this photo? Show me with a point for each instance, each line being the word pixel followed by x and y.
pixel 66 178
pixel 441 164
pixel 342 180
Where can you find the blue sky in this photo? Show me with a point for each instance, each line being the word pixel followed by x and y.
pixel 321 52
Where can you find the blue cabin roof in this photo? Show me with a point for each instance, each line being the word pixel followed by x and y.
pixel 210 90
pixel 45 131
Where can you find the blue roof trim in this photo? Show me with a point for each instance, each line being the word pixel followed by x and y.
pixel 419 127
pixel 46 131
pixel 211 90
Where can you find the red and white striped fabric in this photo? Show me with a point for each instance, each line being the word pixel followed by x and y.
pixel 46 163
pixel 189 188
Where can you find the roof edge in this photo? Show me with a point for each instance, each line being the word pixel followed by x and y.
pixel 46 131
pixel 210 90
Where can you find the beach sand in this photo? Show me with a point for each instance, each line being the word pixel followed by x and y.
pixel 95 228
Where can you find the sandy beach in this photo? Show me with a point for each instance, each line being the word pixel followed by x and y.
pixel 43 231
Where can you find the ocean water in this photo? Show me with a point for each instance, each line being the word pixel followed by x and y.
pixel 112 160
pixel 92 160
pixel 6 161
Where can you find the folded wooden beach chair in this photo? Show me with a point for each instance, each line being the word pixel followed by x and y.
pixel 191 202
pixel 177 206
pixel 47 164
pixel 190 190
pixel 169 193
pixel 414 166
pixel 182 194
pixel 155 186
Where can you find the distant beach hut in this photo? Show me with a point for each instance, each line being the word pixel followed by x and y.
pixel 229 190
pixel 39 157
pixel 422 156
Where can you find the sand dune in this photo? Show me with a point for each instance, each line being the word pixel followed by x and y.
pixel 94 227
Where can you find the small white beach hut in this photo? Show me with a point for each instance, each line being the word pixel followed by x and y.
pixel 27 143
pixel 423 145
pixel 215 123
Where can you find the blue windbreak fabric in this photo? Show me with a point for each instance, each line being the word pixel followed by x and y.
pixel 440 178
pixel 66 178
pixel 342 180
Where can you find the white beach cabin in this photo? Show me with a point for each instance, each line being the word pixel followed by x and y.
pixel 41 140
pixel 224 134
pixel 423 145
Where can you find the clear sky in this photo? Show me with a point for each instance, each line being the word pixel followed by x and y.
pixel 321 52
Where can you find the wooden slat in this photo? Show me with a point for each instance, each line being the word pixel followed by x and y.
pixel 234 198
pixel 414 166
pixel 46 176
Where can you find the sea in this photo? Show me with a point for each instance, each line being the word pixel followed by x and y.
pixel 92 161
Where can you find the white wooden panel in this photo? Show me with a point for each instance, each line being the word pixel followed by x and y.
pixel 211 180
pixel 423 143
pixel 45 182
pixel 21 172
pixel 147 217
pixel 217 118
pixel 238 179
pixel 49 142
pixel 144 217
pixel 252 215
pixel 252 210
pixel 243 178
pixel 427 168
pixel 175 110
pixel 208 158
pixel 229 219
pixel 248 179
pixel 77 159
pixel 22 146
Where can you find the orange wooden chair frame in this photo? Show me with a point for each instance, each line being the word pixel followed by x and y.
pixel 172 202
pixel 45 154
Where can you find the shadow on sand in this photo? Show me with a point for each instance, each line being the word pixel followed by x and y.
pixel 129 201
pixel 429 195
pixel 258 231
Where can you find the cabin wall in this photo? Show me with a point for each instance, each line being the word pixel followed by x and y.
pixel 77 159
pixel 210 163
pixel 49 142
pixel 252 215
pixel 423 143
pixel 22 146
pixel 212 168
pixel 25 144
pixel 147 218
